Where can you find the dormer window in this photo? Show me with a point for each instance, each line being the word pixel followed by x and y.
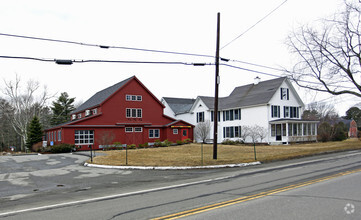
pixel 285 94
pixel 87 112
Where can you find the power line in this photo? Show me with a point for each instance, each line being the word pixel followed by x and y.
pixel 273 75
pixel 70 61
pixel 249 70
pixel 259 21
pixel 132 48
pixel 258 65
pixel 105 46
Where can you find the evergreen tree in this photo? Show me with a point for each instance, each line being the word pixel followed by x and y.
pixel 62 109
pixel 35 133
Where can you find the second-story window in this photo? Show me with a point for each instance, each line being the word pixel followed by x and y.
pixel 134 113
pixel 275 111
pixel 200 117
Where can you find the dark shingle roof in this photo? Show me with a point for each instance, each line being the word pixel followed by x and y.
pixel 247 95
pixel 179 105
pixel 101 96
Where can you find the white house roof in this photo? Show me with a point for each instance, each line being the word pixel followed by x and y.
pixel 249 95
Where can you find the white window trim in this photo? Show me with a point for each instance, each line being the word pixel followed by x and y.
pixel 138 113
pixel 154 136
pixel 133 98
pixel 138 129
pixel 129 129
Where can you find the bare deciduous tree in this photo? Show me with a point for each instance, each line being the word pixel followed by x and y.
pixel 329 53
pixel 25 104
pixel 245 132
pixel 262 132
pixel 202 130
pixel 320 111
pixel 256 133
pixel 106 138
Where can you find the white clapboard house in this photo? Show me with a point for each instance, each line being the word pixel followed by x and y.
pixel 273 105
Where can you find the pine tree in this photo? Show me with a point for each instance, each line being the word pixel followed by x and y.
pixel 62 109
pixel 35 133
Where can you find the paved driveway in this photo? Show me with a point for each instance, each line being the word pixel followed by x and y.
pixel 21 176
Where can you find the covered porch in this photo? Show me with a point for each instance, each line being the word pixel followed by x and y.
pixel 285 131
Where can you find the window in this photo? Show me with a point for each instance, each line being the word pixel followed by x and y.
pixel 128 129
pixel 79 115
pixel 294 129
pixel 153 133
pixel 59 135
pixel 299 129
pixel 133 113
pixel 294 112
pixel 286 111
pixel 138 129
pixel 133 97
pixel 84 137
pixel 135 129
pixel 290 129
pixel 200 117
pixel 218 116
pixel 231 132
pixel 95 111
pixel 285 94
pixel 275 111
pixel 175 131
pixel 273 130
pixel 139 113
pixel 237 114
pixel 284 131
pixel 230 115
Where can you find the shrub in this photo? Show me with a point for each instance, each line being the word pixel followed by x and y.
pixel 117 144
pixel 157 143
pixel 187 141
pixel 340 132
pixel 324 132
pixel 167 143
pixel 60 148
pixel 131 146
pixel 145 145
pixel 179 142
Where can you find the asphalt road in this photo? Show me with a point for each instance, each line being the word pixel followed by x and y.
pixel 58 187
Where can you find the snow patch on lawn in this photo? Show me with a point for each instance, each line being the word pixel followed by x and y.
pixel 171 168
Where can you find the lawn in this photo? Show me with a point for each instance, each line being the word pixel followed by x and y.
pixel 190 154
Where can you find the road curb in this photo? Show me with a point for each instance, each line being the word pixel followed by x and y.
pixel 171 168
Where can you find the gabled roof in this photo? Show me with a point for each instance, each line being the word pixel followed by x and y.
pixel 179 105
pixel 248 95
pixel 101 96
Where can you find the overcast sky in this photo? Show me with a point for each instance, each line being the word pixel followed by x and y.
pixel 181 26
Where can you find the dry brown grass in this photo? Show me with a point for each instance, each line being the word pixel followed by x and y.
pixel 190 155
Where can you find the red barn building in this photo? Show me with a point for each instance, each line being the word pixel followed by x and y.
pixel 353 129
pixel 126 112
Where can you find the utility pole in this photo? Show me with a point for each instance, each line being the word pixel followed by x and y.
pixel 217 81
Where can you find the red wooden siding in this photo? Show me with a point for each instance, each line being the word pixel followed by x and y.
pixel 110 122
